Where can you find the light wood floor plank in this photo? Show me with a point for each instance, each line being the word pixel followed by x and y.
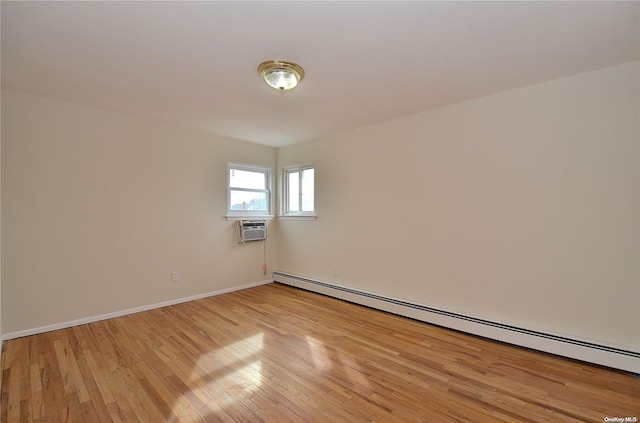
pixel 278 354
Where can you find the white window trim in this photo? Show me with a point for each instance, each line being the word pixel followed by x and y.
pixel 244 214
pixel 298 215
pixel 233 217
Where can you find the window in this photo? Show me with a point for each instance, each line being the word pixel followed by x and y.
pixel 249 190
pixel 299 191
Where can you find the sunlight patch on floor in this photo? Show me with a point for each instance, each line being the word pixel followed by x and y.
pixel 231 355
pixel 232 372
pixel 319 355
pixel 353 371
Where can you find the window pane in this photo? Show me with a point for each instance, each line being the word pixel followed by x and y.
pixel 247 179
pixel 293 183
pixel 308 189
pixel 247 200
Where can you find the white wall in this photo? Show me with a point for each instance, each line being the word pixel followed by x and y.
pixel 99 208
pixel 1 229
pixel 520 208
pixel 523 209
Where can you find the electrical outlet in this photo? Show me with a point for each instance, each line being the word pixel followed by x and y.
pixel 335 272
pixel 175 276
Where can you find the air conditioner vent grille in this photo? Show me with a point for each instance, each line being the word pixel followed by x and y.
pixel 252 230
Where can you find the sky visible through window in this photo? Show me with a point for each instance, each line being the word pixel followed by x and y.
pixel 250 192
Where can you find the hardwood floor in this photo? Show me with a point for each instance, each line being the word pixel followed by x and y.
pixel 278 354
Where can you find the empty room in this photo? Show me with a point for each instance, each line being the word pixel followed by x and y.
pixel 320 211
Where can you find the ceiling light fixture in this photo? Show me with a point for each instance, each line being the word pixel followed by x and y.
pixel 281 74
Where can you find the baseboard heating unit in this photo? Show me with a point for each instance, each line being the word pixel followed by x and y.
pixel 614 357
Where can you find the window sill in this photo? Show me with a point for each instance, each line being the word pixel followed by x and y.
pixel 249 216
pixel 298 217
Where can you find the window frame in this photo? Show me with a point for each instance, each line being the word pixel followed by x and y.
pixel 240 214
pixel 285 212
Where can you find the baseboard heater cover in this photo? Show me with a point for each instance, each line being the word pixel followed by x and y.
pixel 617 358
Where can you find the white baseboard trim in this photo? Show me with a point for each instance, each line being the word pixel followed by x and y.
pixel 610 356
pixel 100 317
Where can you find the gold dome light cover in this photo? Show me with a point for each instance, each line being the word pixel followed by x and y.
pixel 281 74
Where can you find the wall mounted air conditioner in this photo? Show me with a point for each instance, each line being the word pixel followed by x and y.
pixel 252 230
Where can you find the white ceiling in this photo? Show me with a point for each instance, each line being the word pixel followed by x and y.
pixel 194 63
